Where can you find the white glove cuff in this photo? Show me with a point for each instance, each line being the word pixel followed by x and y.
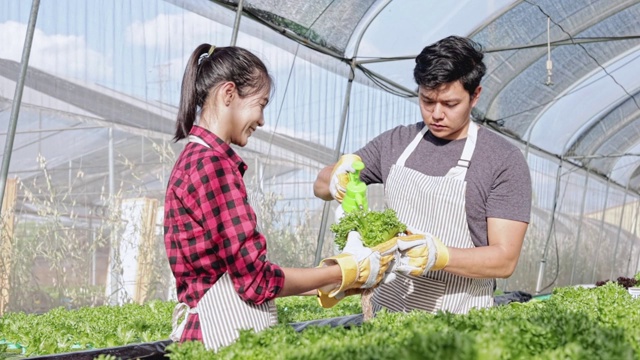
pixel 374 269
pixel 432 255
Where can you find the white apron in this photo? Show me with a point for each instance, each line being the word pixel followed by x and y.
pixel 435 205
pixel 222 312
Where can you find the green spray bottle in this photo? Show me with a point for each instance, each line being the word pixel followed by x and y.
pixel 355 196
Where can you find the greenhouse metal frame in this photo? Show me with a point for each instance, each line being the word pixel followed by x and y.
pixel 91 154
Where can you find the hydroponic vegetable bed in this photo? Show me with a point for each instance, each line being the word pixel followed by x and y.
pixel 573 323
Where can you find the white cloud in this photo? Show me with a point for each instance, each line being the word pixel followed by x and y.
pixel 174 36
pixel 164 29
pixel 62 55
pixel 179 34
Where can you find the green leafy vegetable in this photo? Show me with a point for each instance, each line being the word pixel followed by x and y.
pixel 375 227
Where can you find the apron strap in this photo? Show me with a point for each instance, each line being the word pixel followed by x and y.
pixel 460 170
pixel 181 309
pixel 465 158
pixel 414 144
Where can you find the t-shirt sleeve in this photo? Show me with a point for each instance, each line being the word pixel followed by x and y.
pixel 371 155
pixel 510 195
pixel 232 223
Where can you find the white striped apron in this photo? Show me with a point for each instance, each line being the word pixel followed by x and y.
pixel 436 205
pixel 222 312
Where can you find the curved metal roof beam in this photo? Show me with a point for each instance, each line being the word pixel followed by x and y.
pixel 570 113
pixel 591 138
pixel 494 18
pixel 624 167
pixel 634 179
pixel 353 45
pixel 562 100
pixel 283 38
pixel 607 11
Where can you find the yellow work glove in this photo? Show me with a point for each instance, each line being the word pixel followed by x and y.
pixel 340 175
pixel 420 253
pixel 362 268
pixel 329 302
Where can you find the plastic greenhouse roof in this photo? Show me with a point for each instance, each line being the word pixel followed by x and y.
pixel 72 121
pixel 589 114
pixel 587 110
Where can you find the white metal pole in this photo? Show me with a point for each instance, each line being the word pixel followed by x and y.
pixel 615 250
pixel 343 121
pixel 114 267
pixel 543 261
pixel 601 231
pixel 345 111
pixel 634 225
pixel 236 24
pixel 17 98
pixel 575 249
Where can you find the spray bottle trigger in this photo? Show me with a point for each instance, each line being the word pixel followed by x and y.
pixel 360 201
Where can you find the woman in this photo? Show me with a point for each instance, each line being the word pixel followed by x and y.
pixel 219 259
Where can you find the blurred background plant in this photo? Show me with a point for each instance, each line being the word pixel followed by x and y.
pixel 291 238
pixel 70 254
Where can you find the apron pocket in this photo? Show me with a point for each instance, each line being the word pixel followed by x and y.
pixel 427 294
pixel 478 294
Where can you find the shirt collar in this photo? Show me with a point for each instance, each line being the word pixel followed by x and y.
pixel 219 145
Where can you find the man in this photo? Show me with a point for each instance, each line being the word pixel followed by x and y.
pixel 465 191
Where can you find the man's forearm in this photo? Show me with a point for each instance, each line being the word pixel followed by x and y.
pixel 499 259
pixel 481 262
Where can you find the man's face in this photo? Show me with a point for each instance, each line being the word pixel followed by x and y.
pixel 446 109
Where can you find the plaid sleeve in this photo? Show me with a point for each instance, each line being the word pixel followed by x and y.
pixel 231 223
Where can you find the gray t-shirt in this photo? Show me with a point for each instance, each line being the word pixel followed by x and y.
pixel 498 178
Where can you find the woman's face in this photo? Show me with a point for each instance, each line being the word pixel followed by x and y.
pixel 247 114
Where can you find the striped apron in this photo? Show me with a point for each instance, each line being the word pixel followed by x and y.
pixel 436 205
pixel 222 312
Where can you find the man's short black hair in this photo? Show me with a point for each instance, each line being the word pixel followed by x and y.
pixel 450 59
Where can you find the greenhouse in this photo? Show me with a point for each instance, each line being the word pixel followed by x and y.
pixel 90 91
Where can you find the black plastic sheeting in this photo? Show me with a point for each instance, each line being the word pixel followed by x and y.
pixel 156 350
pixel 145 351
pixel 346 321
pixel 509 297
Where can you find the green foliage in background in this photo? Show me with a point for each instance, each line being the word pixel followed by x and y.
pixel 60 330
pixel 574 323
pixel 291 240
pixel 304 308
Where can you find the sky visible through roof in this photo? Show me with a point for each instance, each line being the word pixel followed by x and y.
pixel 142 35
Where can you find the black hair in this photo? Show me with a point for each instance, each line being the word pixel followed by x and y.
pixel 208 69
pixel 450 59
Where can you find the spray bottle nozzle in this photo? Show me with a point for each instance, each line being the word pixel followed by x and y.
pixel 355 176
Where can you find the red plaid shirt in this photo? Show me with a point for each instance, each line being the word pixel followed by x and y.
pixel 210 228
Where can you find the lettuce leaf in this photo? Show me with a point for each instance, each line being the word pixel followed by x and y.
pixel 375 227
